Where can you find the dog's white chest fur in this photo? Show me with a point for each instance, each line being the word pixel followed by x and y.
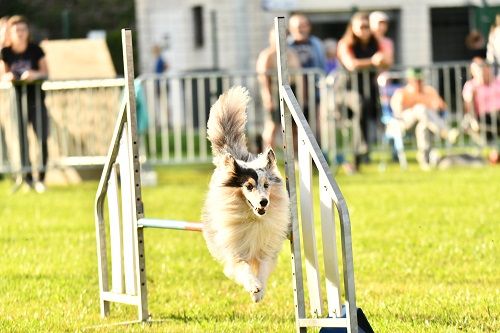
pixel 233 231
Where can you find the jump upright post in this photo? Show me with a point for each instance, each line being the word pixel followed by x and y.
pixel 337 317
pixel 128 260
pixel 126 238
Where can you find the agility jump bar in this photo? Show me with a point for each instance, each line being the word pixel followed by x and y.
pixel 169 224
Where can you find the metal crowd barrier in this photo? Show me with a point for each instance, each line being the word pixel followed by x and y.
pixel 337 103
pixel 80 115
pixel 178 106
pixel 173 109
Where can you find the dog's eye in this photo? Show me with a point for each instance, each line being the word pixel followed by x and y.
pixel 266 185
pixel 249 187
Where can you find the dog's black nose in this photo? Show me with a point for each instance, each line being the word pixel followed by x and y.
pixel 263 202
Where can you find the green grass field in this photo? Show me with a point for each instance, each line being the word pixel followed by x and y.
pixel 425 248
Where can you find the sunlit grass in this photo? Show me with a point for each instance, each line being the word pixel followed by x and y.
pixel 425 253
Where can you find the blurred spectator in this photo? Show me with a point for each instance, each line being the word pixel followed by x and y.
pixel 309 48
pixel 475 44
pixel 160 63
pixel 343 97
pixel 266 70
pixel 418 104
pixel 332 62
pixel 141 107
pixel 493 47
pixel 24 61
pixel 379 24
pixel 482 97
pixel 359 52
pixel 311 53
pixel 4 39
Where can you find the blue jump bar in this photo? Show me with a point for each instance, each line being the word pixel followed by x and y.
pixel 169 224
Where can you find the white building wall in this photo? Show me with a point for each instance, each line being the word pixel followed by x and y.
pixel 241 33
pixel 242 27
pixel 416 34
pixel 170 25
pixel 415 18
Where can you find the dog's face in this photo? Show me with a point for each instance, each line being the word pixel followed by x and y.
pixel 256 180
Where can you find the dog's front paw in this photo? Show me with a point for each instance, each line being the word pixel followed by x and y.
pixel 258 296
pixel 253 285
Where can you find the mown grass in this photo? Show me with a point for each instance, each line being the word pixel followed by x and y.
pixel 425 253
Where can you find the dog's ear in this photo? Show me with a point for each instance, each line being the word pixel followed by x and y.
pixel 271 158
pixel 229 162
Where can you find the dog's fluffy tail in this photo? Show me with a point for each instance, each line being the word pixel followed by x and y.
pixel 226 124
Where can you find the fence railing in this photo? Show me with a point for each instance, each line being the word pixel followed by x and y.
pixel 173 109
pixel 178 107
pixel 79 116
pixel 343 94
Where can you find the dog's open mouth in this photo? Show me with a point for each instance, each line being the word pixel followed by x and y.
pixel 260 211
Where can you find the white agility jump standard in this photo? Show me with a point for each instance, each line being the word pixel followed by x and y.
pixel 126 238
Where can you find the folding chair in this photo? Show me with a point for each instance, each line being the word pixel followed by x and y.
pixel 393 135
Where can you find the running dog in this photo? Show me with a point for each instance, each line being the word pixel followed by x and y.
pixel 246 212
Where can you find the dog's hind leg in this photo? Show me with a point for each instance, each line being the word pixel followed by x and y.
pixel 265 268
pixel 241 272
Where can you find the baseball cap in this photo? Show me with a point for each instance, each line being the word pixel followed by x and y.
pixel 378 16
pixel 414 73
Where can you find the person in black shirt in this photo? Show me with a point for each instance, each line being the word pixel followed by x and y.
pixel 24 63
pixel 360 53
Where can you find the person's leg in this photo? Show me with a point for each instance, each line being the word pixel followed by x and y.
pixel 38 117
pixel 43 137
pixel 409 118
pixel 370 115
pixel 353 101
pixel 492 126
pixel 22 123
pixel 364 123
pixel 436 124
pixel 423 144
pixel 269 129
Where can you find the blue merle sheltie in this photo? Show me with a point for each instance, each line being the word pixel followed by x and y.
pixel 246 212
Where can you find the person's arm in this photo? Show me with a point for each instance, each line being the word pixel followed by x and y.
pixel 436 102
pixel 387 48
pixel 468 96
pixel 397 102
pixel 262 68
pixel 40 74
pixel 350 62
pixel 293 60
pixel 294 65
pixel 7 74
pixel 490 47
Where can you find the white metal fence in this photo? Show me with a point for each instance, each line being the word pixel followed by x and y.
pixel 178 107
pixel 79 115
pixel 338 100
pixel 173 109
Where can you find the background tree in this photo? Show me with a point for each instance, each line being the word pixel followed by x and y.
pixel 60 19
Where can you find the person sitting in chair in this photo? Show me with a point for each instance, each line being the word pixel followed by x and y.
pixel 418 104
pixel 482 96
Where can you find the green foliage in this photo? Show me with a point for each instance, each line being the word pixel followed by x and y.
pixel 56 19
pixel 425 250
